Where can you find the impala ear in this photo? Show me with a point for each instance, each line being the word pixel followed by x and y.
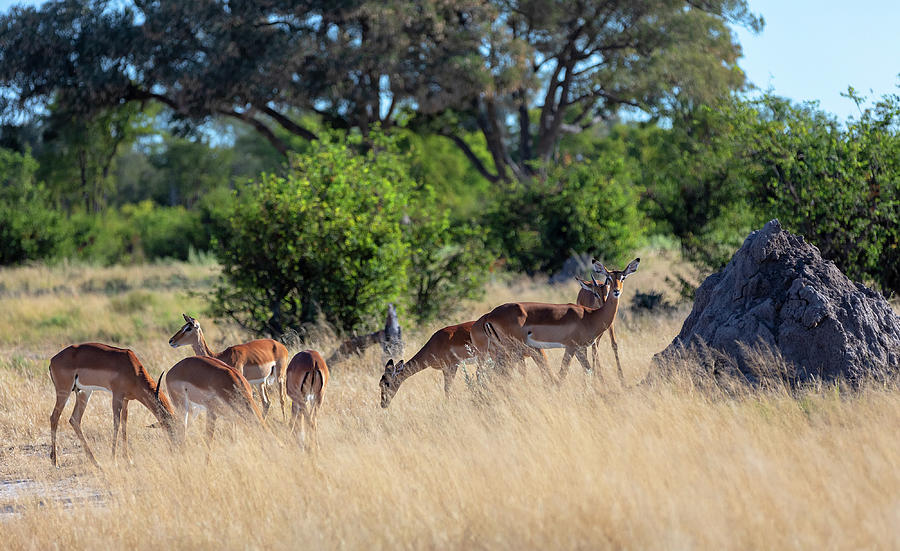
pixel 631 268
pixel 186 317
pixel 389 364
pixel 397 368
pixel 584 284
pixel 600 269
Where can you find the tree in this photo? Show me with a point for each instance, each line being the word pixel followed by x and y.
pixel 448 66
pixel 78 154
pixel 582 207
pixel 29 229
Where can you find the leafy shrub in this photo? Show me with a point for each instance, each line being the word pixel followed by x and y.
pixel 590 207
pixel 29 228
pixel 838 186
pixel 164 232
pixel 447 260
pixel 135 233
pixel 343 233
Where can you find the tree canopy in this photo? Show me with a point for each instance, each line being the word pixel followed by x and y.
pixel 520 73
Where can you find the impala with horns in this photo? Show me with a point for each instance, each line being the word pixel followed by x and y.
pixel 446 350
pixel 537 325
pixel 84 368
pixel 593 295
pixel 262 362
pixel 214 386
pixel 307 376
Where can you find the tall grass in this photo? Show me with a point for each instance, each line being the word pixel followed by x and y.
pixel 671 463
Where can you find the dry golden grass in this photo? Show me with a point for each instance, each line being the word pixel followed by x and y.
pixel 513 464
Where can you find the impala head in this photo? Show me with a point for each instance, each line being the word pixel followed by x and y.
pixel 599 290
pixel 615 278
pixel 188 334
pixel 390 381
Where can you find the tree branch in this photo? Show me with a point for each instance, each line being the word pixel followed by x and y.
pixel 267 133
pixel 467 151
pixel 289 125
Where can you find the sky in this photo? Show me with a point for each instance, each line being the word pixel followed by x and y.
pixel 815 49
pixel 812 50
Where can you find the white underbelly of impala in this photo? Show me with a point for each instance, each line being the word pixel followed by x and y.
pixel 269 379
pixel 541 344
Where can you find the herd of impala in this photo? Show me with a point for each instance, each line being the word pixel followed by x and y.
pixel 221 383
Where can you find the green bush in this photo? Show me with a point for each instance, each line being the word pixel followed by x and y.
pixel 29 227
pixel 590 206
pixel 343 233
pixel 838 185
pixel 447 260
pixel 164 232
pixel 324 238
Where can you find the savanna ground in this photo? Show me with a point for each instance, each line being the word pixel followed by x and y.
pixel 674 463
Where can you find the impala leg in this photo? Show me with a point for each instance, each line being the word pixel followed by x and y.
pixel 295 414
pixel 449 374
pixel 124 430
pixel 117 419
pixel 282 393
pixel 314 425
pixel 615 347
pixel 187 411
pixel 81 401
pixel 210 424
pixel 581 354
pixel 302 424
pixel 61 400
pixel 261 387
pixel 595 354
pixel 564 367
pixel 539 355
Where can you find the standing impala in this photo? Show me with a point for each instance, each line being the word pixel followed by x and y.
pixel 593 295
pixel 445 350
pixel 307 376
pixel 262 362
pixel 212 385
pixel 84 368
pixel 536 325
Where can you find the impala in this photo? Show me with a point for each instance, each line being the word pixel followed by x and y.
pixel 262 362
pixel 84 368
pixel 307 376
pixel 536 325
pixel 445 350
pixel 212 385
pixel 593 295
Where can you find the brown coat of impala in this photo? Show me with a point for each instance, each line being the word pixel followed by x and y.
pixel 593 295
pixel 84 368
pixel 307 377
pixel 213 386
pixel 538 325
pixel 445 350
pixel 262 362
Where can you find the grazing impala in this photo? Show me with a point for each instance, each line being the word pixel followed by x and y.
pixel 593 295
pixel 307 376
pixel 535 325
pixel 445 350
pixel 262 362
pixel 212 385
pixel 84 368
